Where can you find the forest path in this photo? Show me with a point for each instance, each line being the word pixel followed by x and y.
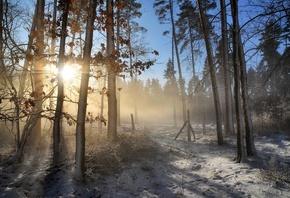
pixel 197 168
pixel 211 169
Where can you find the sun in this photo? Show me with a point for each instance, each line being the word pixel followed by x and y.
pixel 69 72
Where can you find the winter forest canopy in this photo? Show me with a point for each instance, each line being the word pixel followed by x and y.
pixel 76 66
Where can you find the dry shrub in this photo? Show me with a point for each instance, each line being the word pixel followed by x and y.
pixel 104 156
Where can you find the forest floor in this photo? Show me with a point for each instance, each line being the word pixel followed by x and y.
pixel 179 168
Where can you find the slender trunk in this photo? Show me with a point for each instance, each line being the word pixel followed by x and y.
pixel 173 106
pixel 205 27
pixel 112 100
pixel 38 71
pixel 118 79
pixel 60 87
pixel 172 88
pixel 249 136
pixel 82 104
pixel 237 96
pixel 52 50
pixel 193 100
pixel 1 39
pixel 229 124
pixel 191 49
pixel 28 59
pixel 181 80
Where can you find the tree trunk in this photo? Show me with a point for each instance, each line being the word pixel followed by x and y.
pixel 118 79
pixel 249 136
pixel 38 71
pixel 1 38
pixel 229 123
pixel 172 88
pixel 52 50
pixel 112 100
pixel 237 96
pixel 82 104
pixel 205 27
pixel 181 80
pixel 28 54
pixel 60 90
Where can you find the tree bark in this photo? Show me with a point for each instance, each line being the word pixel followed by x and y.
pixel 181 80
pixel 82 104
pixel 38 71
pixel 249 136
pixel 172 88
pixel 112 100
pixel 229 123
pixel 60 90
pixel 237 96
pixel 1 39
pixel 205 27
pixel 118 79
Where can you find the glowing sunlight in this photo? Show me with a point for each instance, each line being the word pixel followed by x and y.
pixel 69 72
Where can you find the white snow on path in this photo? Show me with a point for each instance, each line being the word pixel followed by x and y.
pixel 198 168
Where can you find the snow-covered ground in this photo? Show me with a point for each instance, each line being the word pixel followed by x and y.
pixel 180 168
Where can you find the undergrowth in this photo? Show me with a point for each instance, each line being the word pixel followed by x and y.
pixel 105 157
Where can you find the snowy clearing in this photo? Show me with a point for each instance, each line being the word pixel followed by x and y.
pixel 180 168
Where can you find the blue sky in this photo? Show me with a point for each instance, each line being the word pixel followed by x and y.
pixel 162 44
pixel 155 39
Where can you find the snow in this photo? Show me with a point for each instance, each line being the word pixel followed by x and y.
pixel 198 168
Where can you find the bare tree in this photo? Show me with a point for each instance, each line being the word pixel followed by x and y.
pixel 111 69
pixel 82 104
pixel 205 27
pixel 237 95
pixel 229 124
pixel 180 79
pixel 1 38
pixel 38 71
pixel 249 136
pixel 60 86
pixel 162 8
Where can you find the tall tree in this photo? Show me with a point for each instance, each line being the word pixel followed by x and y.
pixel 38 70
pixel 205 27
pixel 1 38
pixel 111 69
pixel 162 8
pixel 237 86
pixel 82 104
pixel 229 123
pixel 129 14
pixel 249 134
pixel 188 29
pixel 269 47
pixel 64 5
